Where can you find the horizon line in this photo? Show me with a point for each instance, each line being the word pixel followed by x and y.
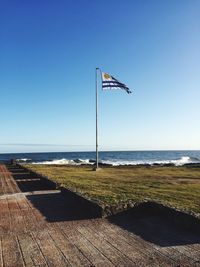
pixel 93 151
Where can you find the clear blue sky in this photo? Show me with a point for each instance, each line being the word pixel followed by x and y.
pixel 48 53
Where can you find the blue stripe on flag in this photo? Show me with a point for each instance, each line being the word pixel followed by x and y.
pixel 114 85
pixel 114 82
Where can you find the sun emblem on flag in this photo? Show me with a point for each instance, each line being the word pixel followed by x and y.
pixel 106 76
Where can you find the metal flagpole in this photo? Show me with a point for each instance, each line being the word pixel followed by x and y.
pixel 97 152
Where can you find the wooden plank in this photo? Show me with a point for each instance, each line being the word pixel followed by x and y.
pixel 30 224
pixel 1 253
pixel 12 203
pixel 194 251
pixel 2 184
pixel 46 244
pixel 5 217
pixel 70 251
pixel 17 221
pixel 8 186
pixel 39 217
pixel 114 255
pixel 14 186
pixel 140 254
pixel 22 202
pixel 32 221
pixel 176 252
pixel 4 205
pixel 10 251
pixel 167 251
pixel 187 242
pixel 41 220
pixel 4 168
pixel 31 254
pixel 159 251
pixel 92 254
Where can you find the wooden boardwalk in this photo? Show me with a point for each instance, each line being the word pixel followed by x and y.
pixel 42 227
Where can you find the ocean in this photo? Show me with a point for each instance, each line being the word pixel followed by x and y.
pixel 115 158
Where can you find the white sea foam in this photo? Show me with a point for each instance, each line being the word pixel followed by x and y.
pixel 185 160
pixel 64 162
pixel 177 162
pixel 180 162
pixel 23 160
pixel 82 161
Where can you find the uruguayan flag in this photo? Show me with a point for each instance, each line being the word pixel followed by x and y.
pixel 109 82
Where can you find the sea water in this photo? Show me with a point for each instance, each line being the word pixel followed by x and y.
pixel 115 158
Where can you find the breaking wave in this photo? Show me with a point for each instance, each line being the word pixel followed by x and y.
pixel 65 162
pixel 186 160
pixel 23 160
pixel 176 162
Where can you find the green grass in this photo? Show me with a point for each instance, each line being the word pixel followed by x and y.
pixel 175 186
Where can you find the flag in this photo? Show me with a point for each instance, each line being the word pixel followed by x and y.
pixel 109 82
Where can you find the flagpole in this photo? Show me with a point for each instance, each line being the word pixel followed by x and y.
pixel 97 152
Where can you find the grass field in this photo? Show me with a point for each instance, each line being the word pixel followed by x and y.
pixel 175 186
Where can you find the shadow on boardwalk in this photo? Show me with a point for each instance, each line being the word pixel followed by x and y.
pixel 58 207
pixel 53 204
pixel 155 228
